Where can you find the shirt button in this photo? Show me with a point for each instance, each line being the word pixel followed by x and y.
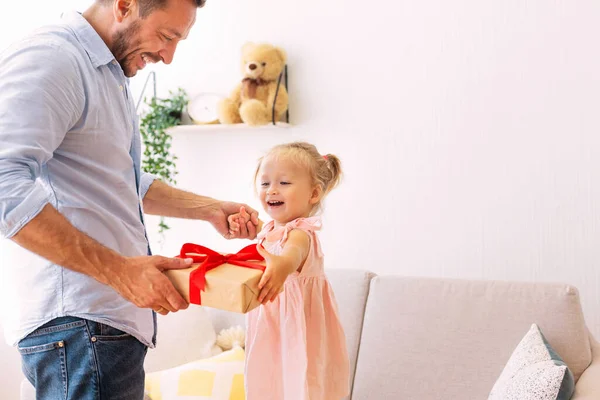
pixel 121 88
pixel 114 62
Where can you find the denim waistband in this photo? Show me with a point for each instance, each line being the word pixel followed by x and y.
pixel 58 324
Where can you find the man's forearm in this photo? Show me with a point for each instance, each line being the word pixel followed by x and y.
pixel 53 237
pixel 162 199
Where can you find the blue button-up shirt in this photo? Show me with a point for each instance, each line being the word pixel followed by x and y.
pixel 69 137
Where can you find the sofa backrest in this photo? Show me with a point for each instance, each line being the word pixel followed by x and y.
pixel 426 338
pixel 351 289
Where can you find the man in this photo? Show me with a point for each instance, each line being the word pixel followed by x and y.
pixel 81 285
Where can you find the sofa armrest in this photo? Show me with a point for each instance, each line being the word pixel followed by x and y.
pixel 588 385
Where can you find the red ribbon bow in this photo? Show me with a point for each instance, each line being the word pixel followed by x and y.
pixel 210 259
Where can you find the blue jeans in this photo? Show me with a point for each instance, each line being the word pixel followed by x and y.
pixel 75 359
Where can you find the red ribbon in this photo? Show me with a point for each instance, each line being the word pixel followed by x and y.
pixel 210 259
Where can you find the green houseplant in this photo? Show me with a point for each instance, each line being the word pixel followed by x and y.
pixel 157 159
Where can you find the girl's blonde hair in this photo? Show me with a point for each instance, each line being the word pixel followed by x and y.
pixel 325 170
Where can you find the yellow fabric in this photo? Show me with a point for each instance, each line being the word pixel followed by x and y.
pixel 196 383
pixel 217 378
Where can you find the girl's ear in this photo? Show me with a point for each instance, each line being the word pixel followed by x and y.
pixel 316 194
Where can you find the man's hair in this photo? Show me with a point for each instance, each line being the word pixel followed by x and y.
pixel 148 6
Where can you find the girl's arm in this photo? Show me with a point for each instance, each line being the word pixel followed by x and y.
pixel 280 267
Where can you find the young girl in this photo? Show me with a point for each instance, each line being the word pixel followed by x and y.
pixel 295 344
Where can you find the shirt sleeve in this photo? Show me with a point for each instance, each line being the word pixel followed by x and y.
pixel 145 183
pixel 41 98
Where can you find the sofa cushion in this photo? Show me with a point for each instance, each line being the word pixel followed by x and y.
pixel 588 385
pixel 351 289
pixel 445 338
pixel 219 377
pixel 183 336
pixel 534 371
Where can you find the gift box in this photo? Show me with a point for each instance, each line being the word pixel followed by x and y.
pixel 225 281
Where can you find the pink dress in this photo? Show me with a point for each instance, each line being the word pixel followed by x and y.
pixel 295 345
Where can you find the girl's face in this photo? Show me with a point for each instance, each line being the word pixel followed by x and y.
pixel 285 189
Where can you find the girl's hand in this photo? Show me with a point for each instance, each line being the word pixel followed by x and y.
pixel 234 222
pixel 242 222
pixel 248 220
pixel 272 280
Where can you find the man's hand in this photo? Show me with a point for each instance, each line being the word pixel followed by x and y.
pixel 142 282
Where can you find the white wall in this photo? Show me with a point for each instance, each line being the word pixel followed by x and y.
pixel 468 131
pixel 10 370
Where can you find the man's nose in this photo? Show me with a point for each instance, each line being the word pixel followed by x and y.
pixel 167 54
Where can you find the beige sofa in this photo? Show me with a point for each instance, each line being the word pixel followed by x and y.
pixel 429 339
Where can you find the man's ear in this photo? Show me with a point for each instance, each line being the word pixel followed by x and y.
pixel 124 8
pixel 316 194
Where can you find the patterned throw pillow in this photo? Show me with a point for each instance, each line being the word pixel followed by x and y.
pixel 534 372
pixel 217 378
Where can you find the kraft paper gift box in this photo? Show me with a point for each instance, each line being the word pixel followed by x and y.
pixel 225 281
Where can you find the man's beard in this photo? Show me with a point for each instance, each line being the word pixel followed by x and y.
pixel 123 46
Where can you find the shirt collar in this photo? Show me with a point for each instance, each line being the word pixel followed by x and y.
pixel 93 44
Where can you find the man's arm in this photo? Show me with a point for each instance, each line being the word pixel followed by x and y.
pixel 40 99
pixel 162 199
pixel 138 279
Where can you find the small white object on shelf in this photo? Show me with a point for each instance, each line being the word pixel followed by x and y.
pixel 202 109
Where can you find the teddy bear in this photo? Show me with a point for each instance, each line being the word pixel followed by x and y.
pixel 251 101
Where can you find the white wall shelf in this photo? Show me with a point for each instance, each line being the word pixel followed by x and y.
pixel 222 128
